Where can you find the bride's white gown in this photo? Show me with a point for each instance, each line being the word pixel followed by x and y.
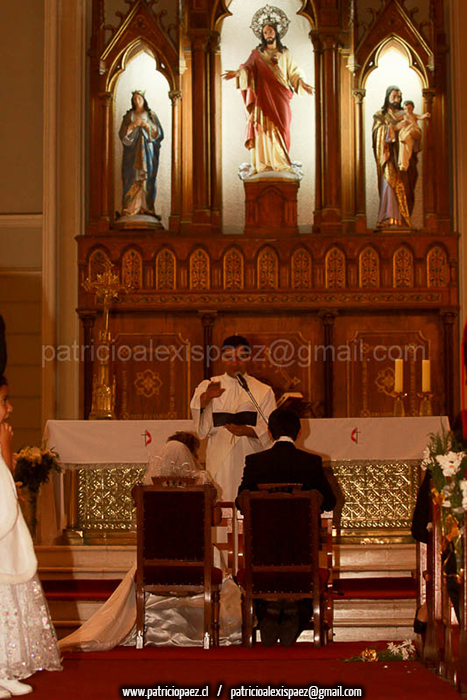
pixel 169 621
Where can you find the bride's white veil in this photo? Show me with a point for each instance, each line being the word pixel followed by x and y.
pixel 174 460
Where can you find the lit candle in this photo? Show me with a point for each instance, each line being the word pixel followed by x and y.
pixel 426 379
pixel 398 380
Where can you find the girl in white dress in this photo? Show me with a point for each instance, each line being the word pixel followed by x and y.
pixel 27 637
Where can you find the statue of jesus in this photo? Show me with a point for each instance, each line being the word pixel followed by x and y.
pixel 267 81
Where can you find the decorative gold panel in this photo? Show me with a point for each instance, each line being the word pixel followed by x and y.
pixel 437 267
pixel 335 269
pixel 403 267
pixel 268 269
pixel 132 269
pixel 368 268
pixel 377 494
pixel 301 269
pixel 98 263
pixel 199 270
pixel 233 269
pixel 104 496
pixel 165 269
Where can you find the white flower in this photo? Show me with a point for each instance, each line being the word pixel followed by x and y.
pixel 446 503
pixel 463 487
pixel 426 459
pixel 450 463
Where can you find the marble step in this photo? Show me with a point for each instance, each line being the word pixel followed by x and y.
pixel 373 561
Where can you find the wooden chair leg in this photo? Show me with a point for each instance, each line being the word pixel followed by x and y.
pixel 207 630
pixel 247 621
pixel 216 598
pixel 140 616
pixel 317 631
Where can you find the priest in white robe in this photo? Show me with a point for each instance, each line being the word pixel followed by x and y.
pixel 230 442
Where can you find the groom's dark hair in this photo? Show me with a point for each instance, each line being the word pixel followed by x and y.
pixel 284 423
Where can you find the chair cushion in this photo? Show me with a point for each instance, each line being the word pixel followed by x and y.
pixel 278 582
pixel 179 576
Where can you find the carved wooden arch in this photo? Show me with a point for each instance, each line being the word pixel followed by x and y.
pixel 403 267
pixel 415 63
pixel 166 269
pixel 267 268
pixel 393 23
pixel 98 262
pixel 437 267
pixel 368 268
pixel 335 268
pixel 301 269
pixel 131 268
pixel 200 270
pixel 233 266
pixel 141 29
pixel 220 11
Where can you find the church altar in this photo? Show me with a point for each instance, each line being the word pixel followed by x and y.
pixel 374 464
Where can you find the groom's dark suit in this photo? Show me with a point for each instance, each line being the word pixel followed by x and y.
pixel 284 463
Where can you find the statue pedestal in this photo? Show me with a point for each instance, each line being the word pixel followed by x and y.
pixel 271 205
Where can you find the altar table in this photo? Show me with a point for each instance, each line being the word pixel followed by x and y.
pixel 374 461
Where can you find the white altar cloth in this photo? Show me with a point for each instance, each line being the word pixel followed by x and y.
pixel 133 441
pixel 110 441
pixel 369 438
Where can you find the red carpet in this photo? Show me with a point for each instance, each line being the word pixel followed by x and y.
pixel 101 676
pixel 376 588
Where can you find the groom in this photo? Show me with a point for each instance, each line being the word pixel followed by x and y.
pixel 284 463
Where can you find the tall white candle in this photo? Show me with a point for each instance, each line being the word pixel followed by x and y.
pixel 398 376
pixel 426 378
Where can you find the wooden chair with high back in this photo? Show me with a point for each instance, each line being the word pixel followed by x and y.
pixel 281 552
pixel 174 548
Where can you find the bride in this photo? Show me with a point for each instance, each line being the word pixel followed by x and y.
pixel 169 620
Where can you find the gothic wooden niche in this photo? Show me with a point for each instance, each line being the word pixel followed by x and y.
pixel 132 269
pixel 437 267
pixel 423 41
pixel 166 269
pixel 335 269
pixel 403 266
pixel 301 269
pixel 368 268
pixel 267 269
pixel 141 30
pixel 233 269
pixel 200 270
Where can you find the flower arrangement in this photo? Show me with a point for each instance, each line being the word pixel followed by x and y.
pixel 394 652
pixel 33 466
pixel 447 463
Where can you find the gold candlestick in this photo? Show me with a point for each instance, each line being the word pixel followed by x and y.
pixel 107 288
pixel 399 410
pixel 426 409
